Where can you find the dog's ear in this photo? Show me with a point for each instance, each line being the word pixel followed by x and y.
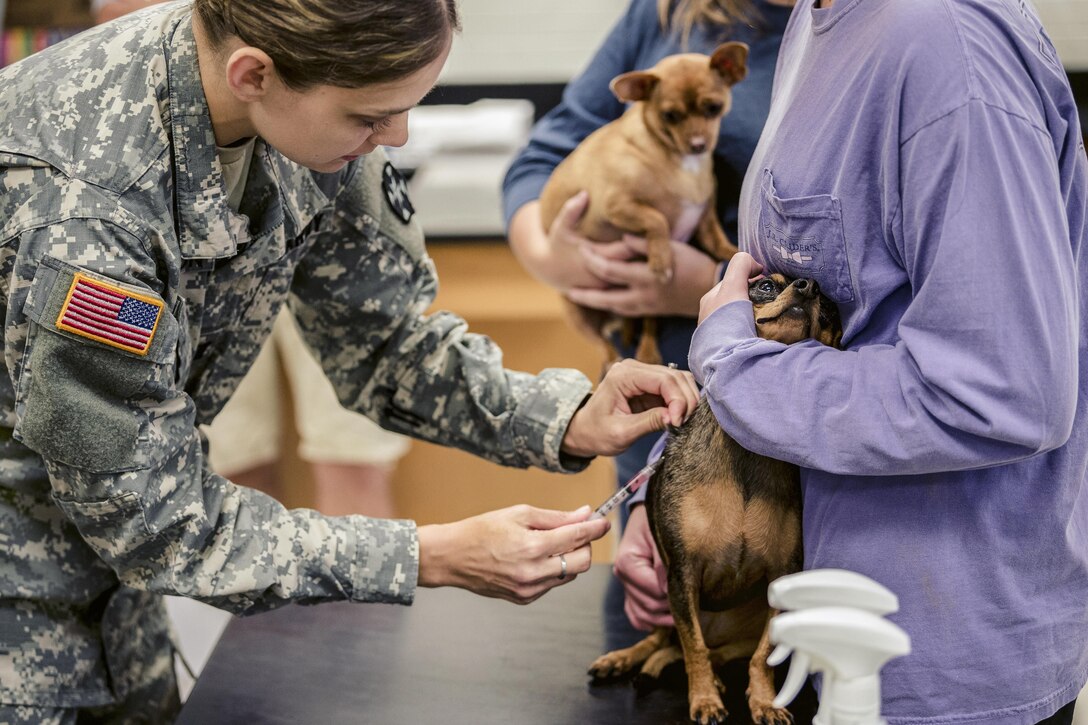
pixel 731 61
pixel 634 86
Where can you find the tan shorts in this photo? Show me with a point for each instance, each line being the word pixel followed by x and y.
pixel 248 431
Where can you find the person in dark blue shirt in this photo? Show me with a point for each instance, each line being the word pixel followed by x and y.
pixel 648 31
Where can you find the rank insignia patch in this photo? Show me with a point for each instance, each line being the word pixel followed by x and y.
pixel 110 315
pixel 396 193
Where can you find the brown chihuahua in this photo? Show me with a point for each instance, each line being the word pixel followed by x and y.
pixel 650 172
pixel 727 523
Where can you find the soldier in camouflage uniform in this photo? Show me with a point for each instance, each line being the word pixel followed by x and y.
pixel 134 298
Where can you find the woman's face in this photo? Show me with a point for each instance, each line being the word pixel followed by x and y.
pixel 325 127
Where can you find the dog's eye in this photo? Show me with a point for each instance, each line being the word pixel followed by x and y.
pixel 763 291
pixel 672 117
pixel 711 110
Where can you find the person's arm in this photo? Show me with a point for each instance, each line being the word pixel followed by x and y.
pixel 360 296
pixel 984 370
pixel 553 256
pixel 127 466
pixel 117 435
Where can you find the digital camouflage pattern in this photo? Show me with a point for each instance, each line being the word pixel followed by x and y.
pixel 108 169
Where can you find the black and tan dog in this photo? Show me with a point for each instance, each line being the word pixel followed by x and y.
pixel 727 522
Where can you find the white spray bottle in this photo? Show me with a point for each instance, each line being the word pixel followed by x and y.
pixel 836 630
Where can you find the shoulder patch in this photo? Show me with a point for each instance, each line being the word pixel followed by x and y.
pixel 109 314
pixel 395 189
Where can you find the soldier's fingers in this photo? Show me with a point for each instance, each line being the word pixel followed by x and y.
pixel 561 568
pixel 574 536
pixel 681 396
pixel 537 518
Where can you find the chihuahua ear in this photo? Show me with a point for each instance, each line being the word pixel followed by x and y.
pixel 633 86
pixel 731 61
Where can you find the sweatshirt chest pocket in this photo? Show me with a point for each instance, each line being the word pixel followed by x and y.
pixel 803 237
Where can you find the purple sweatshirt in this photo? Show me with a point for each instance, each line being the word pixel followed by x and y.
pixel 924 163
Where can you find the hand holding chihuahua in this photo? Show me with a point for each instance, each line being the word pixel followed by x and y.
pixel 632 290
pixel 734 285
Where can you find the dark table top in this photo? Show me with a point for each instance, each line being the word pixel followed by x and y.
pixel 451 657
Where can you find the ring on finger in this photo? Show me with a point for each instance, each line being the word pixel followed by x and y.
pixel 563 567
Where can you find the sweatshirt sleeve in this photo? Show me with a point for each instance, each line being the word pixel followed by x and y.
pixel 983 370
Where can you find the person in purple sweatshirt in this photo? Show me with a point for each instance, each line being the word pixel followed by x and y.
pixel 924 163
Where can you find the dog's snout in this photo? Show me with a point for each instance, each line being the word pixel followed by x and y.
pixel 698 145
pixel 807 287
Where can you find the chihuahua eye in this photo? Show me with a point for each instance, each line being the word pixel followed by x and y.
pixel 672 117
pixel 711 110
pixel 763 291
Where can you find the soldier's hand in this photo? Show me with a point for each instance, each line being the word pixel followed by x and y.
pixel 516 553
pixel 633 399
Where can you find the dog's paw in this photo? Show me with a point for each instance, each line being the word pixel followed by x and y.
pixel 767 714
pixel 661 268
pixel 611 665
pixel 707 709
pixel 644 684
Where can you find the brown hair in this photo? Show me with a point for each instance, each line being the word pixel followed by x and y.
pixel 684 15
pixel 345 43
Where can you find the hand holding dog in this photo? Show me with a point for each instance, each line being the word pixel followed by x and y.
pixel 633 290
pixel 510 554
pixel 639 567
pixel 734 285
pixel 632 400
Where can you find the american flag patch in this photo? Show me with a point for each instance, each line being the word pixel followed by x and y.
pixel 110 315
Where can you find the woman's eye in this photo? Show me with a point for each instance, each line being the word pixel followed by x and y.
pixel 374 125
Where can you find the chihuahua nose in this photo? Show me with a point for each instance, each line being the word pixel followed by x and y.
pixel 698 145
pixel 807 287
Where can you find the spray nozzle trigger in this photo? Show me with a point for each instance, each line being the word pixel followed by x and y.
pixel 781 652
pixel 795 678
pixel 831 588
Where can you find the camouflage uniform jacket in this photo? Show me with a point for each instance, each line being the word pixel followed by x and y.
pixel 111 189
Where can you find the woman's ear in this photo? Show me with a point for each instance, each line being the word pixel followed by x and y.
pixel 250 73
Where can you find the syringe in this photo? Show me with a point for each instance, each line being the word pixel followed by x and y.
pixel 628 489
